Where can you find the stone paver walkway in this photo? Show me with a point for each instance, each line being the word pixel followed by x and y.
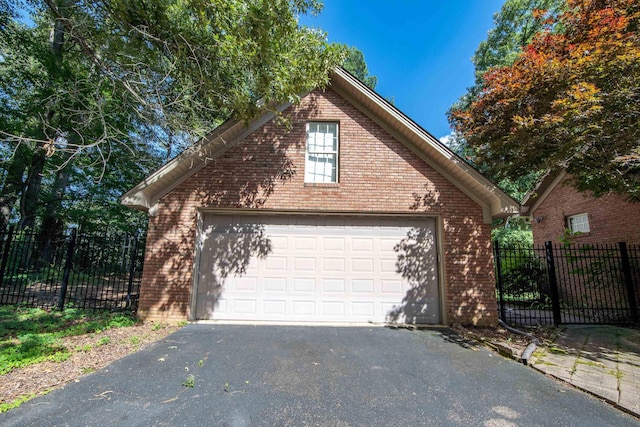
pixel 602 360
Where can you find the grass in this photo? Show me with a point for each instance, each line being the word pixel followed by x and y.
pixel 32 335
pixel 558 350
pixel 4 407
pixel 189 382
pixel 103 341
pixel 590 363
pixel 157 326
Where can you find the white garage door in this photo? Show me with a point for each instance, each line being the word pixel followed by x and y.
pixel 317 269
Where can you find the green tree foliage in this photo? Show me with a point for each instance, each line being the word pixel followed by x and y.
pixel 515 232
pixel 94 90
pixel 570 100
pixel 516 24
pixel 7 12
pixel 355 64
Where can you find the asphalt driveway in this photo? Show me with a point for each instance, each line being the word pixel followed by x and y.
pixel 315 376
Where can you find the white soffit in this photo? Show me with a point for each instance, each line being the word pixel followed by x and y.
pixel 533 199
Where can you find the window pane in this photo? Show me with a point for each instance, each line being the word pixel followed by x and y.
pixel 320 168
pixel 579 223
pixel 322 138
pixel 322 152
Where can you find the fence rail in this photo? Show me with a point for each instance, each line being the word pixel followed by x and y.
pixel 90 271
pixel 568 284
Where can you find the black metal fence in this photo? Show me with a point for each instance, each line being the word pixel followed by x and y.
pixel 90 271
pixel 568 284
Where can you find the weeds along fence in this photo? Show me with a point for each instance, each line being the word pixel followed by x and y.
pixel 89 271
pixel 568 284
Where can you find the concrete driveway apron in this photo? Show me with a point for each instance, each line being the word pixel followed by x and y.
pixel 315 376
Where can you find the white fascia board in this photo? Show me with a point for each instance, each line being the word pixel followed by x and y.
pixel 147 193
pixel 136 200
pixel 495 202
pixel 541 198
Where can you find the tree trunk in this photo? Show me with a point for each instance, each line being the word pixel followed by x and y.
pixel 52 223
pixel 13 186
pixel 33 184
pixel 31 193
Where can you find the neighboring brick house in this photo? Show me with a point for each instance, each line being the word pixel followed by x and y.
pixel 555 206
pixel 350 212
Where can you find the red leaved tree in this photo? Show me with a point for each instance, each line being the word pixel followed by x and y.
pixel 571 100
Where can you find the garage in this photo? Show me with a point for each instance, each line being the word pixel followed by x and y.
pixel 306 268
pixel 344 211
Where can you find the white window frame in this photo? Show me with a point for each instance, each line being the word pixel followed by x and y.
pixel 579 223
pixel 310 166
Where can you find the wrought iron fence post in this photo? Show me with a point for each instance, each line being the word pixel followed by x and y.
pixel 553 283
pixel 67 269
pixel 628 280
pixel 132 267
pixel 497 255
pixel 5 254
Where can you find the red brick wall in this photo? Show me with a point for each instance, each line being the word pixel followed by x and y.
pixel 611 219
pixel 266 171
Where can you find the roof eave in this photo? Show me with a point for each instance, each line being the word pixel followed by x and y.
pixel 495 203
pixel 145 195
pixel 534 198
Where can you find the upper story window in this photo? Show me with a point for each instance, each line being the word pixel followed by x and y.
pixel 321 163
pixel 578 223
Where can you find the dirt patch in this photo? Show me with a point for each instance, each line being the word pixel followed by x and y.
pixel 89 353
pixel 505 341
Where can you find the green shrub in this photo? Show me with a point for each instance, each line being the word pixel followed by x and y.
pixel 523 273
pixel 32 335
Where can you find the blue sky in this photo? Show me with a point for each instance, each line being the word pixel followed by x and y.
pixel 420 50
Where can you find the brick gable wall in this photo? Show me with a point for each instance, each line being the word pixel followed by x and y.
pixel 266 171
pixel 611 219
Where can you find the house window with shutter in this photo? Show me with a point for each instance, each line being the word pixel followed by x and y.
pixel 321 163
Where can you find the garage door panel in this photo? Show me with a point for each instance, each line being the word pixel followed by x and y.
pixel 278 242
pixel 275 285
pixel 304 264
pixel 387 244
pixel 333 244
pixel 363 309
pixel 305 243
pixel 247 306
pixel 304 285
pixel 391 287
pixel 362 266
pixel 246 284
pixel 304 308
pixel 362 244
pixel 274 263
pixel 332 286
pixel 317 269
pixel 274 309
pixel 388 266
pixel 220 307
pixel 332 265
pixel 333 309
pixel 362 286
